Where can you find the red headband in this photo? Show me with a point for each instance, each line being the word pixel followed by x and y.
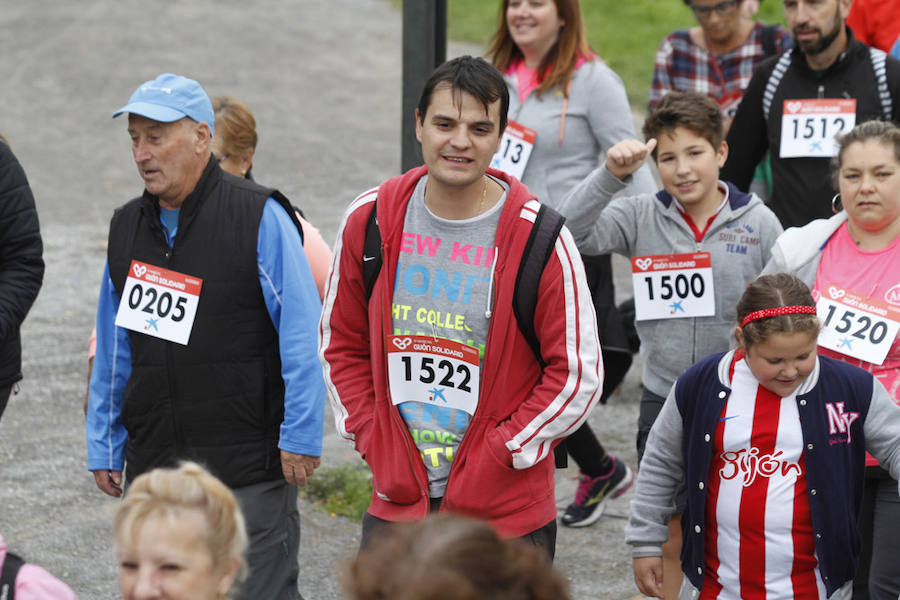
pixel 781 310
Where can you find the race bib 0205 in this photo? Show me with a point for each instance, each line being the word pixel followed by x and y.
pixel 159 302
pixel 808 126
pixel 434 371
pixel 515 149
pixel 855 325
pixel 673 286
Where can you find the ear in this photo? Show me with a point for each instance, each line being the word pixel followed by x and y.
pixel 722 154
pixel 844 6
pixel 247 161
pixel 228 576
pixel 201 138
pixel 739 336
pixel 418 126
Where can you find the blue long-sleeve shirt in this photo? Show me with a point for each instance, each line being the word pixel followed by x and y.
pixel 293 305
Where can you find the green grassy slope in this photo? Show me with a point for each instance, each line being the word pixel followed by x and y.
pixel 625 33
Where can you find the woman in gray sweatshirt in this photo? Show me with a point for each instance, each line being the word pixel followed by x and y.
pixel 566 109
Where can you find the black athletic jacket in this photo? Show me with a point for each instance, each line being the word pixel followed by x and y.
pixel 802 188
pixel 21 262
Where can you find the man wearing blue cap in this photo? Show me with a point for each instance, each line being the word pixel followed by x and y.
pixel 206 332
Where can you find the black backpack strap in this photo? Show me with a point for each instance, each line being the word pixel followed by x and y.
pixel 287 206
pixel 371 251
pixel 8 573
pixel 767 40
pixel 546 228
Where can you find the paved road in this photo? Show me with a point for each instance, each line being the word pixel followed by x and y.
pixel 323 77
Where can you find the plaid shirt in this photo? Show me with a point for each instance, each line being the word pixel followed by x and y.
pixel 682 65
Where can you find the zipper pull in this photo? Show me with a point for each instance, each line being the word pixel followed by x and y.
pixel 821 90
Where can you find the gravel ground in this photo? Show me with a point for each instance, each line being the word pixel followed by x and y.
pixel 323 77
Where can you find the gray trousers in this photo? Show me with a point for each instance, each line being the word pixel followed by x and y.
pixel 273 526
pixel 878 571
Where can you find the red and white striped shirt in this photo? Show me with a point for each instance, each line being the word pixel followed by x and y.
pixel 759 539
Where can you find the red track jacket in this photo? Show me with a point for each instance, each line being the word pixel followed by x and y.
pixel 503 469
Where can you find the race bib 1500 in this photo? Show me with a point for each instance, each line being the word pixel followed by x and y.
pixel 673 286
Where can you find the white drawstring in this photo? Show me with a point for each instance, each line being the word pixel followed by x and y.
pixel 490 295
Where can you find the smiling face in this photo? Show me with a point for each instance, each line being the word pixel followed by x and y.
pixel 782 361
pixel 170 157
pixel 689 168
pixel 869 180
pixel 533 25
pixel 459 138
pixel 170 559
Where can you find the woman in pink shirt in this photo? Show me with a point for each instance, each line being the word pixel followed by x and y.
pixel 852 264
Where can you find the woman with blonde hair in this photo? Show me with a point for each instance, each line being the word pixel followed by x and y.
pixel 179 535
pixel 567 108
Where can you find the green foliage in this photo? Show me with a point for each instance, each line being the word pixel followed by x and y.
pixel 345 490
pixel 625 33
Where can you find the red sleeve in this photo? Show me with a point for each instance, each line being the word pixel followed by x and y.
pixel 344 329
pixel 858 21
pixel 571 383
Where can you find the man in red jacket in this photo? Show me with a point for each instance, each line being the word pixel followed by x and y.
pixel 429 374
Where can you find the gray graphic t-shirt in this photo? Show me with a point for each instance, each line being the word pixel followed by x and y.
pixel 441 290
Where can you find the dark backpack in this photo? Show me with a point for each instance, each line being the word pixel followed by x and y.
pixel 767 40
pixel 546 228
pixel 8 573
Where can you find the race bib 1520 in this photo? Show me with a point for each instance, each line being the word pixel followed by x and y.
pixel 857 326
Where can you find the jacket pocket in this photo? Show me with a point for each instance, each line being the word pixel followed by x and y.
pixel 483 484
pixel 394 477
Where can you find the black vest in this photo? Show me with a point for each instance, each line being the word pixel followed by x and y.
pixel 219 400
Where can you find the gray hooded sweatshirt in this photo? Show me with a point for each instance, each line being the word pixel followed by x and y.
pixel 739 241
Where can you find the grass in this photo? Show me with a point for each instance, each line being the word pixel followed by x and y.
pixel 344 490
pixel 625 34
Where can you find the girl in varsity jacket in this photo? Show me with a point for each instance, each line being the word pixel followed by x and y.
pixel 770 441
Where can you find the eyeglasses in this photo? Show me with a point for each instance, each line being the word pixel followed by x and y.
pixel 722 9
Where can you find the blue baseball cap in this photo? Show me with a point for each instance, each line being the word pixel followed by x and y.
pixel 169 98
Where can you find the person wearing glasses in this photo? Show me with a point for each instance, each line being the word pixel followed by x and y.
pixel 717 56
